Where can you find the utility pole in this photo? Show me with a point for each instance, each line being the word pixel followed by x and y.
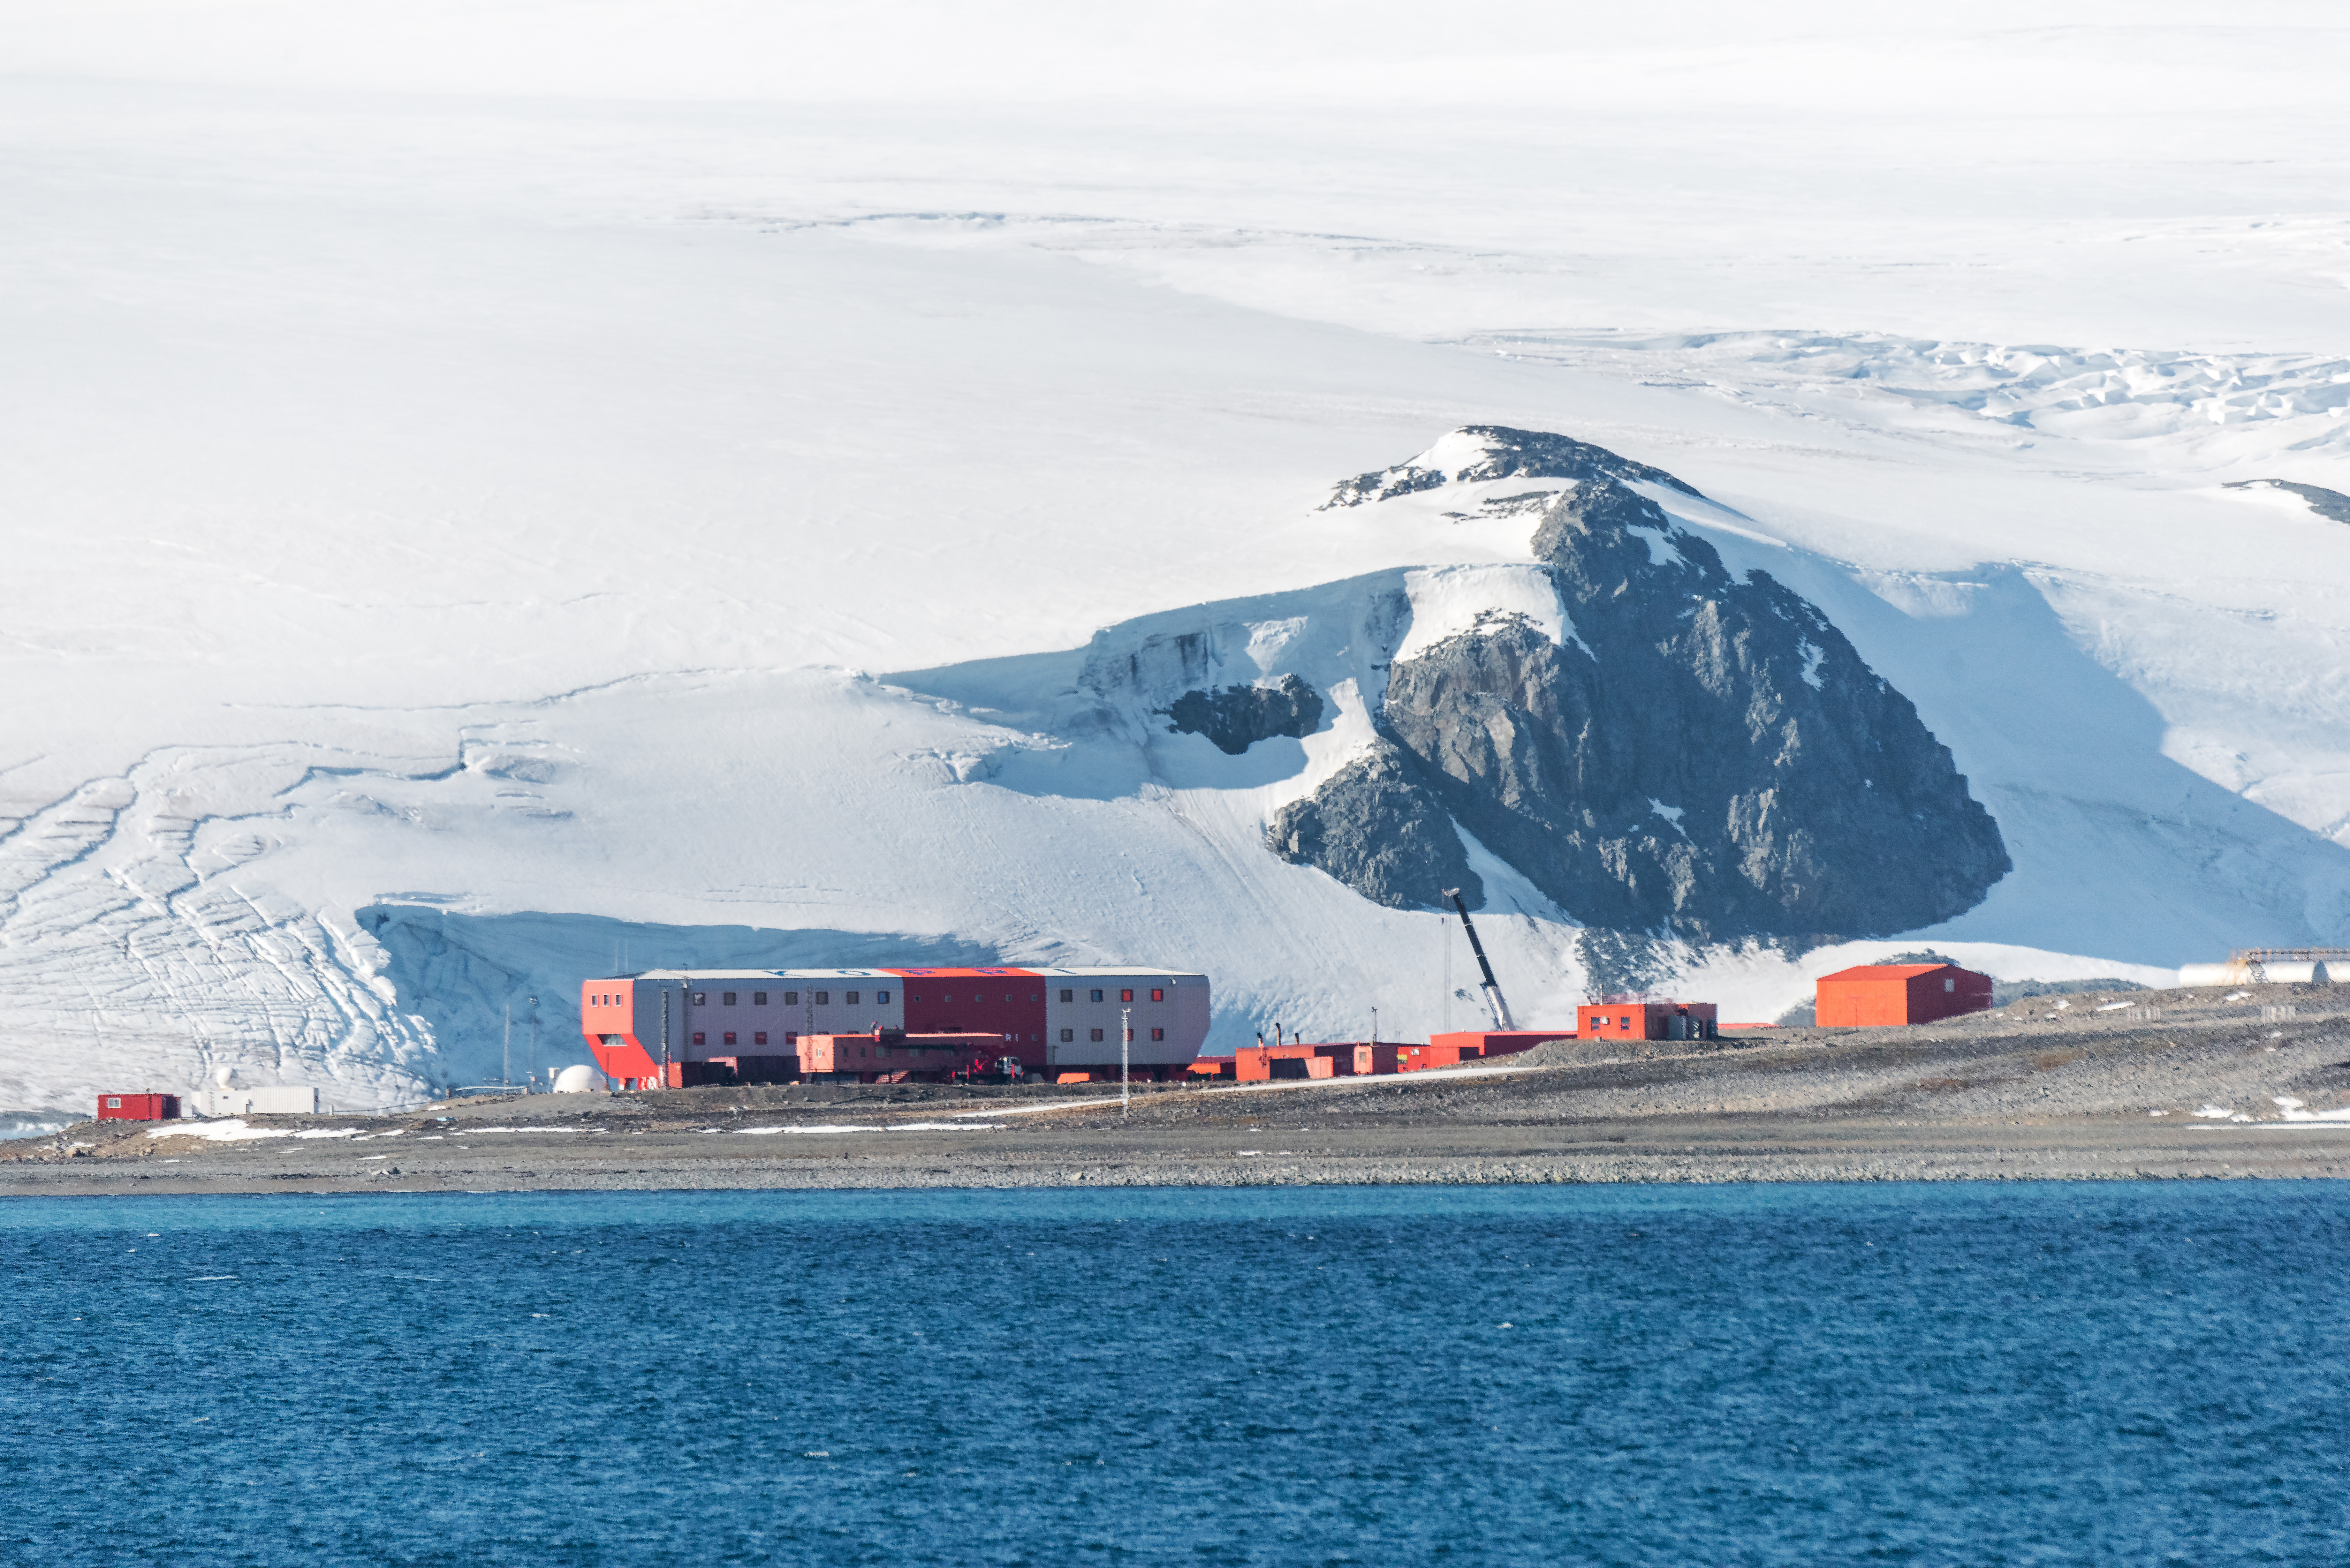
pixel 534 1042
pixel 1125 1047
pixel 1445 926
pixel 1375 1025
pixel 505 1052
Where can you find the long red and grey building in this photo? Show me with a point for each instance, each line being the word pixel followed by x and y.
pixel 1052 1020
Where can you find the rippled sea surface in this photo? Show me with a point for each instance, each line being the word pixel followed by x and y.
pixel 2110 1374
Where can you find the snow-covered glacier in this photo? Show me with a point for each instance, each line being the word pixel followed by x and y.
pixel 470 533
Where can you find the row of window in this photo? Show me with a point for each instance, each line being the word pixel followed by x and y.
pixel 881 998
pixel 792 997
pixel 759 1037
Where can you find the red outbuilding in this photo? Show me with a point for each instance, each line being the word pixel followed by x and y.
pixel 1646 1020
pixel 1499 1042
pixel 1882 993
pixel 137 1107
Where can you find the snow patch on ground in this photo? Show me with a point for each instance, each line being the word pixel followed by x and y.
pixel 234 1130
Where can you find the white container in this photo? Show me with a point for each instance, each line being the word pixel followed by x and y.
pixel 271 1100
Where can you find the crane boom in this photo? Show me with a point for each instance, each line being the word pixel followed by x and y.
pixel 1493 988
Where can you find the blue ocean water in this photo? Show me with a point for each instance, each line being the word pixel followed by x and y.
pixel 2108 1374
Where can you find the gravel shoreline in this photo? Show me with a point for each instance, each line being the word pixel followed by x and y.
pixel 2141 1086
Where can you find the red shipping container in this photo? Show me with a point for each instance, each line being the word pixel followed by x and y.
pixel 137 1107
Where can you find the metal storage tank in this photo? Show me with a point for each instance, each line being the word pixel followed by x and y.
pixel 2245 970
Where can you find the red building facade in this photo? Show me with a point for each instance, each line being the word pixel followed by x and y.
pixel 1894 993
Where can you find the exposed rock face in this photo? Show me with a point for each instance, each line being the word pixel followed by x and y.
pixel 2328 504
pixel 1704 755
pixel 1376 827
pixel 1476 452
pixel 1237 717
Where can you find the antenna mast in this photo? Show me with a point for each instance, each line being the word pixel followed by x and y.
pixel 1493 988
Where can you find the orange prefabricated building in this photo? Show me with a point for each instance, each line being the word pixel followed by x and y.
pixel 1474 1043
pixel 1646 1020
pixel 1882 993
pixel 682 1027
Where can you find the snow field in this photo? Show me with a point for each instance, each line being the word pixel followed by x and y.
pixel 454 510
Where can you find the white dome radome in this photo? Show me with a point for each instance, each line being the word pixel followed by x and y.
pixel 576 1079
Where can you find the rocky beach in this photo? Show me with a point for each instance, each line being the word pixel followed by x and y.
pixel 2127 1085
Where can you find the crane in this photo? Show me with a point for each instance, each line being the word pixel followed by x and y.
pixel 1493 988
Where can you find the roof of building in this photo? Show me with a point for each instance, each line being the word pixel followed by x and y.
pixel 1096 972
pixel 1893 970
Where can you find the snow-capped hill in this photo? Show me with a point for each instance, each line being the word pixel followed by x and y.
pixel 1475 454
pixel 1706 754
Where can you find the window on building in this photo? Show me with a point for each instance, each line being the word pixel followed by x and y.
pixel 725 999
pixel 730 1037
pixel 1007 996
pixel 1624 1022
pixel 1950 985
pixel 699 998
pixel 1068 1035
pixel 1158 995
pixel 1096 996
pixel 1125 996
pixel 949 997
pixel 760 1038
pixel 114 1102
pixel 791 999
pixel 1158 1034
pixel 915 997
pixel 850 997
pixel 882 997
pixel 822 998
pixel 791 1037
pixel 758 999
pixel 1068 996
pixel 1096 1033
pixel 701 1039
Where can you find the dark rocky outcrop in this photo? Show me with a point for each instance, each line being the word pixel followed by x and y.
pixel 1705 757
pixel 2328 504
pixel 1376 827
pixel 1506 454
pixel 1237 717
